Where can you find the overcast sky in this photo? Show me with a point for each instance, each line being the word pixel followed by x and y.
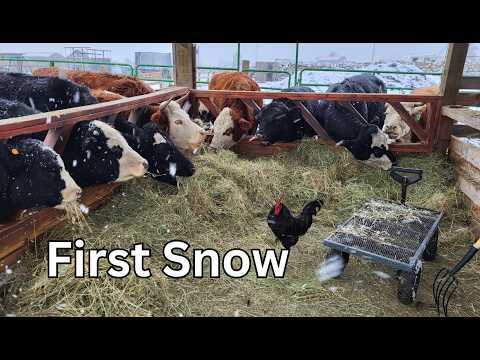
pixel 215 54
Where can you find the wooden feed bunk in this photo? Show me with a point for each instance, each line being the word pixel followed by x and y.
pixel 15 236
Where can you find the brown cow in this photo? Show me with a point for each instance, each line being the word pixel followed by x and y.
pixel 395 128
pixel 120 84
pixel 235 119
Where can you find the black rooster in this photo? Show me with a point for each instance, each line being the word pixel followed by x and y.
pixel 286 227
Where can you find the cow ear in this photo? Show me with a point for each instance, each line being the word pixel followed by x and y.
pixel 244 125
pixel 125 126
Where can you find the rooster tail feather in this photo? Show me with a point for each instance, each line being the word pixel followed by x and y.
pixel 312 207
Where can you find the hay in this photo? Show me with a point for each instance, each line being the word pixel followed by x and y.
pixel 224 206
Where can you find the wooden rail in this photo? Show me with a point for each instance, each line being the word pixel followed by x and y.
pixel 427 134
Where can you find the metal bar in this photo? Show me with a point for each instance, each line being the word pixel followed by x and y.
pixel 296 63
pixel 238 57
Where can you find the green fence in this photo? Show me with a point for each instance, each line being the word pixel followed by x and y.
pixel 15 62
pixel 374 72
pixel 167 76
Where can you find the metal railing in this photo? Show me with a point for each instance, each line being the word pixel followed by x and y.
pixel 53 62
pixel 272 72
pixel 137 70
pixel 374 72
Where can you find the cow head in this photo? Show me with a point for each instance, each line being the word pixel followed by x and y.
pixel 228 129
pixel 97 153
pixel 34 176
pixel 395 128
pixel 165 162
pixel 183 132
pixel 278 122
pixel 371 147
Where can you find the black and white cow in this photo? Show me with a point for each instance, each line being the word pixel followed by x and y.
pixel 96 153
pixel 165 161
pixel 44 93
pixel 32 175
pixel 364 140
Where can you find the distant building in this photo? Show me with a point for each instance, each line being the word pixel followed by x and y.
pixel 267 76
pixel 330 60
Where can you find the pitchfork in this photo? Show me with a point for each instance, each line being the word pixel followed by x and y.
pixel 446 283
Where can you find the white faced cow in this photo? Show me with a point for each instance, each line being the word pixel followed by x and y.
pixel 187 135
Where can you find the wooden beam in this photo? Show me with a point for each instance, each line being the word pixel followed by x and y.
pixel 210 106
pixel 404 114
pixel 15 236
pixel 312 121
pixel 453 71
pixel 55 119
pixel 369 97
pixel 467 99
pixel 463 115
pixel 252 105
pixel 409 147
pixel 470 82
pixel 184 57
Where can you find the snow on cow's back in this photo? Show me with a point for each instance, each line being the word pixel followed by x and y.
pixel 131 164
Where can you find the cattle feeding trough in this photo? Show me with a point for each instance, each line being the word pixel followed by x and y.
pixel 428 135
pixel 15 236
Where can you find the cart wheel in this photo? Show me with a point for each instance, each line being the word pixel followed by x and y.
pixel 430 252
pixel 408 285
pixel 345 256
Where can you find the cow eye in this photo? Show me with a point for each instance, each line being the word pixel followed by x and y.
pixel 178 122
pixel 228 132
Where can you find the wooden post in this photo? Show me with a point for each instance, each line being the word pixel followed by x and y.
pixel 184 58
pixel 453 72
pixel 245 65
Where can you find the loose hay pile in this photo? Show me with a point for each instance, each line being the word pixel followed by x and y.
pixel 224 206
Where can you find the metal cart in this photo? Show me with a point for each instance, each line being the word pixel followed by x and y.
pixel 394 234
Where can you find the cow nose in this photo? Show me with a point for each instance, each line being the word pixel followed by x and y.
pixel 145 165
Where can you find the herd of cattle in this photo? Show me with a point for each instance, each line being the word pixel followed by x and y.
pixel 160 139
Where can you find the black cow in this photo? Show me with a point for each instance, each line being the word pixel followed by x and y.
pixel 373 112
pixel 282 121
pixel 165 161
pixel 365 141
pixel 44 93
pixel 32 175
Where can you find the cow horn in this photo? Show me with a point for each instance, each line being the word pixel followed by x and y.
pixel 340 143
pixel 186 106
pixel 165 104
